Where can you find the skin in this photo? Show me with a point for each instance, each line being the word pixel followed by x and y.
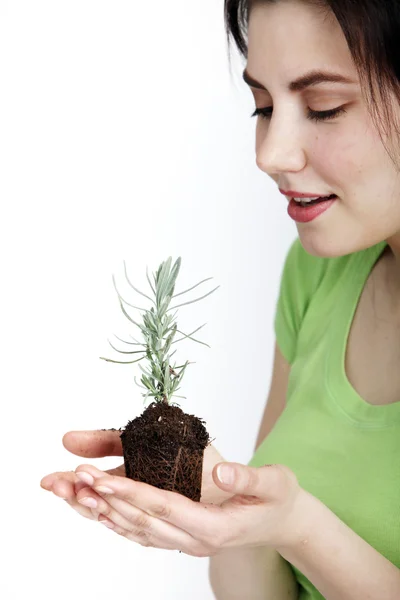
pixel 345 156
pixel 262 504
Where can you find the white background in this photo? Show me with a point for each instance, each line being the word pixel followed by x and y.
pixel 123 136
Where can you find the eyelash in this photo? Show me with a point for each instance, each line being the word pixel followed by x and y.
pixel 313 115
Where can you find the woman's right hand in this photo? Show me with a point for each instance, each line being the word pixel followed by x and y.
pixel 89 444
pixel 97 444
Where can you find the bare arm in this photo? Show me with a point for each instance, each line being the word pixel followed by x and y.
pixel 340 564
pixel 257 573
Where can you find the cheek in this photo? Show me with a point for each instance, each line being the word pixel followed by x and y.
pixel 341 159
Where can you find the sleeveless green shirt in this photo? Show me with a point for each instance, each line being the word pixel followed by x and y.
pixel 343 450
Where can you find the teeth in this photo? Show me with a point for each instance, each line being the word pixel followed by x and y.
pixel 305 200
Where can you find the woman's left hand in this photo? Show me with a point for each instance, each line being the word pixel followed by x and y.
pixel 264 510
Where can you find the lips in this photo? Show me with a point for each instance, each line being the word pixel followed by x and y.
pixel 294 194
pixel 306 212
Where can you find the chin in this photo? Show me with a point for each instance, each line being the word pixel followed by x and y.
pixel 324 245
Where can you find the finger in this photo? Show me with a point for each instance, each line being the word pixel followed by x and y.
pixel 138 539
pixel 268 483
pixel 141 526
pixel 60 491
pixel 70 476
pixel 93 444
pixel 64 484
pixel 83 511
pixel 47 481
pixel 200 551
pixel 67 489
pixel 101 508
pixel 197 519
pixel 148 531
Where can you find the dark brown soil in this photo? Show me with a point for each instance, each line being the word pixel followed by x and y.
pixel 164 447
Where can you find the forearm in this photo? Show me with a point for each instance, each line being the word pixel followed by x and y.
pixel 257 573
pixel 340 564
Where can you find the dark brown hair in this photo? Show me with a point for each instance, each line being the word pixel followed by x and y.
pixel 372 32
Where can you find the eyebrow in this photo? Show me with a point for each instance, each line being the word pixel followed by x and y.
pixel 303 82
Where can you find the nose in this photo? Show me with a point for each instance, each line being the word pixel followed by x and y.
pixel 280 147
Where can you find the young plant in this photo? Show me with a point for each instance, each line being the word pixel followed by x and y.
pixel 164 446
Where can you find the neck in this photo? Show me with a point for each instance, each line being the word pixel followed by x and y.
pixel 393 263
pixel 394 244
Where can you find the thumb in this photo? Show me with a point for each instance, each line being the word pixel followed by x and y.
pixel 270 482
pixel 93 444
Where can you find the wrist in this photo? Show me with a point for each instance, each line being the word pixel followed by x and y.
pixel 300 525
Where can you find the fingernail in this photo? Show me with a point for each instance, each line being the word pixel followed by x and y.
pixel 104 490
pixel 85 477
pixel 90 502
pixel 226 474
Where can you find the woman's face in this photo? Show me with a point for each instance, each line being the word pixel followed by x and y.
pixel 343 155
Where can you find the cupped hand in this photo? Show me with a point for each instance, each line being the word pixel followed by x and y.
pixel 264 508
pixel 97 444
pixel 87 444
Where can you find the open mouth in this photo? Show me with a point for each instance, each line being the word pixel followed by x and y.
pixel 316 201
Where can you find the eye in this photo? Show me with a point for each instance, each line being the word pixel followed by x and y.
pixel 264 113
pixel 313 115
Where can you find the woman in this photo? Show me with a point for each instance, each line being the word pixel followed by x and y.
pixel 323 522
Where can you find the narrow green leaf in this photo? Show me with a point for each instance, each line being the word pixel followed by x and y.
pixel 163 307
pixel 146 395
pixel 122 352
pixel 163 280
pixel 189 334
pixel 121 298
pixel 148 384
pixel 171 317
pixel 130 343
pixel 197 299
pixel 157 372
pixel 160 274
pixel 132 286
pixel 134 339
pixel 138 384
pixel 148 279
pixel 190 363
pixel 121 363
pixel 178 380
pixel 131 320
pixel 192 288
pixel 150 375
pixel 194 340
pixel 172 279
pixel 167 379
pixel 151 320
pixel 170 337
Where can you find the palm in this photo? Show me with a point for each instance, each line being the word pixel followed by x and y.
pixel 96 444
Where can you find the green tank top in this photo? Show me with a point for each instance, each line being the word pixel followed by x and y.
pixel 343 450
